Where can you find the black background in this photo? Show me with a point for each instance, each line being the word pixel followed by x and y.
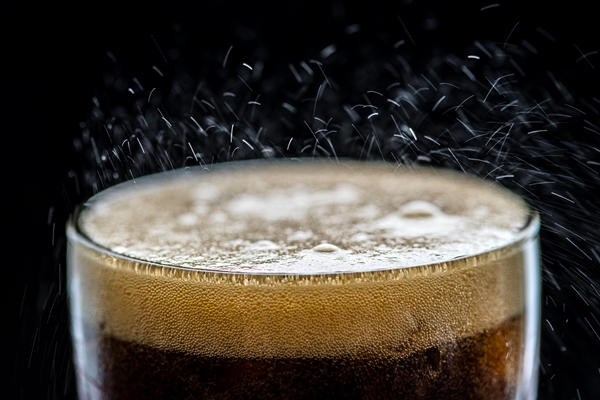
pixel 53 59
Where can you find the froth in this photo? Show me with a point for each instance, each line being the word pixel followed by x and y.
pixel 299 260
pixel 267 219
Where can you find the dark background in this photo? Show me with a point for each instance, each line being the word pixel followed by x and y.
pixel 53 59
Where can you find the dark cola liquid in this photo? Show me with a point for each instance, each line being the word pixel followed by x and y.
pixel 477 367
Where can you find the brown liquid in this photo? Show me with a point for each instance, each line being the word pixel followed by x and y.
pixel 476 367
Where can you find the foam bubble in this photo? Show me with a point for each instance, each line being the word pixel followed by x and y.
pixel 261 245
pixel 300 236
pixel 325 248
pixel 420 209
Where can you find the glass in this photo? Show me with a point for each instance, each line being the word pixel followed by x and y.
pixel 465 327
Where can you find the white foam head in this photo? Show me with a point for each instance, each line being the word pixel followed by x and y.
pixel 304 218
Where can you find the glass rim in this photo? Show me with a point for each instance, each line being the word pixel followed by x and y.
pixel 529 230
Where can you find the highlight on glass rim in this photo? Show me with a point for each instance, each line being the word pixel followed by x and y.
pixel 305 279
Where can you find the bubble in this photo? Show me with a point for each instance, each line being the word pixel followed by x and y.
pixel 420 209
pixel 262 245
pixel 188 219
pixel 326 248
pixel 300 236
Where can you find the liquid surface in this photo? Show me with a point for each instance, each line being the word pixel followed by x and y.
pixel 304 218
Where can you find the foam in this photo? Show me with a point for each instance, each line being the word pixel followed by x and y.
pixel 357 269
pixel 268 218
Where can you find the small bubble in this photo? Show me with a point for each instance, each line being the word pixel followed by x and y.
pixel 419 209
pixel 188 219
pixel 300 236
pixel 262 245
pixel 325 248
